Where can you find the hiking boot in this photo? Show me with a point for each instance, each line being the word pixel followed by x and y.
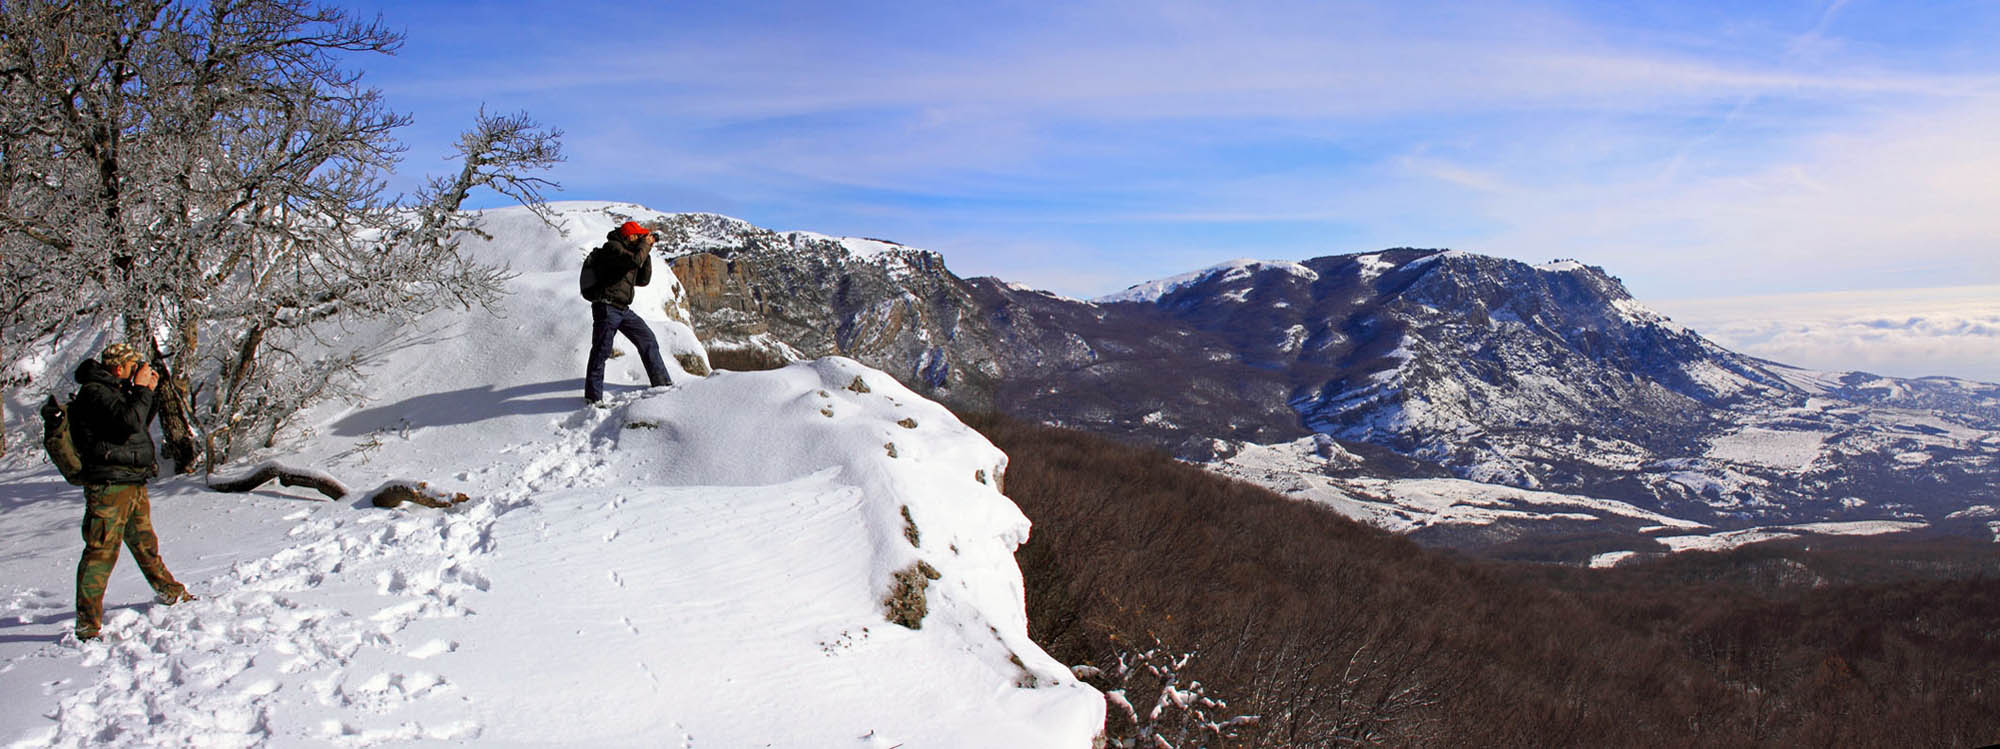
pixel 174 597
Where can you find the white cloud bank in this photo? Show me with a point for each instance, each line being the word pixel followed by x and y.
pixel 1904 333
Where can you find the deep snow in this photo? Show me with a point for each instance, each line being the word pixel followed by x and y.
pixel 698 565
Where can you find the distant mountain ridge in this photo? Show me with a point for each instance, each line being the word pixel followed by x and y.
pixel 1417 362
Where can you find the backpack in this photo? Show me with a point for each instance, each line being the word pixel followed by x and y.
pixel 56 440
pixel 586 281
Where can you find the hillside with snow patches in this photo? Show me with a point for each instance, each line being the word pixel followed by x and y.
pixel 701 565
pixel 1534 383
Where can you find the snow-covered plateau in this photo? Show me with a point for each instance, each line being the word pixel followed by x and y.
pixel 707 564
pixel 1316 470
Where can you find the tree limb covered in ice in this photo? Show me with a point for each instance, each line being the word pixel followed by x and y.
pixel 285 475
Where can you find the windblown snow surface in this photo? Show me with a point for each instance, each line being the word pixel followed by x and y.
pixel 702 565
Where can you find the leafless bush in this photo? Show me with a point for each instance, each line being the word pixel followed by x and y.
pixel 1179 714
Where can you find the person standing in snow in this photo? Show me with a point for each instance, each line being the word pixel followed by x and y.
pixel 624 262
pixel 110 423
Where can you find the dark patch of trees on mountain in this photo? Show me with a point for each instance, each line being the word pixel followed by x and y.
pixel 1336 633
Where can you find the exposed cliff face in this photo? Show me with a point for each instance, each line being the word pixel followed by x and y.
pixel 803 295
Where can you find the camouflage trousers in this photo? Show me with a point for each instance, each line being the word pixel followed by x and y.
pixel 115 513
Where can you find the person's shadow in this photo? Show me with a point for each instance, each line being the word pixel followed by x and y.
pixel 465 407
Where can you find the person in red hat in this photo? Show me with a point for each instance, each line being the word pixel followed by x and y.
pixel 611 273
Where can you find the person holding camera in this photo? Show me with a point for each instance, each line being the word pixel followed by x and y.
pixel 624 262
pixel 110 421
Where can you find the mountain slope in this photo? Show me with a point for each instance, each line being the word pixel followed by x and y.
pixel 1553 377
pixel 1420 362
pixel 701 565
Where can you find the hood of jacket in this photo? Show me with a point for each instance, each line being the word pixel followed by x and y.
pixel 92 370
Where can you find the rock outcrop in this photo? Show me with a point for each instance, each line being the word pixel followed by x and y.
pixel 778 297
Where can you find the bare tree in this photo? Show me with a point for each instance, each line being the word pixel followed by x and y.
pixel 210 180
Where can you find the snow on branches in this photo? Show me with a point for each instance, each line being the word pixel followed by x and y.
pixel 1181 714
pixel 208 182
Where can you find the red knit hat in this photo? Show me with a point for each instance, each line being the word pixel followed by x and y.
pixel 632 229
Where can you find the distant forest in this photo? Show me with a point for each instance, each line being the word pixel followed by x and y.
pixel 1334 633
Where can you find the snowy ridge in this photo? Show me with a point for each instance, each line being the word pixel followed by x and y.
pixel 1746 536
pixel 1152 291
pixel 586 222
pixel 700 565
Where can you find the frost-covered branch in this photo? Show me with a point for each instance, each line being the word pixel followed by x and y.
pixel 1180 717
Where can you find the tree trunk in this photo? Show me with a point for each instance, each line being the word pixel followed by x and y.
pixel 176 421
pixel 224 404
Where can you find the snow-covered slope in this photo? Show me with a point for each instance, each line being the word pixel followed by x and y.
pixel 1297 469
pixel 1461 512
pixel 1151 291
pixel 701 565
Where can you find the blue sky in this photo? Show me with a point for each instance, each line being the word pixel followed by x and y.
pixel 1696 150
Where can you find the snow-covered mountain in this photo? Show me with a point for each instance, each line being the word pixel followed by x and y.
pixel 1552 377
pixel 809 556
pixel 1422 363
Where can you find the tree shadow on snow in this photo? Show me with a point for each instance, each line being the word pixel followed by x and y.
pixel 467 406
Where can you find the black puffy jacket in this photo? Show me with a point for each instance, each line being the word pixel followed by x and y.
pixel 620 265
pixel 109 422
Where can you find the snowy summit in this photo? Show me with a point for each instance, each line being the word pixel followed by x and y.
pixel 1152 291
pixel 714 563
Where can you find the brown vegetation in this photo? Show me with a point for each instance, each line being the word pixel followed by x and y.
pixel 1336 633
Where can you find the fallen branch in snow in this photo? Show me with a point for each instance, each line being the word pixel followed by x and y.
pixel 395 493
pixel 285 475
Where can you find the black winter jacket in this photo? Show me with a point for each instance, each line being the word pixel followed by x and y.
pixel 620 266
pixel 109 422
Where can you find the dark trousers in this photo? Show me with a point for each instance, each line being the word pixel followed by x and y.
pixel 606 320
pixel 113 514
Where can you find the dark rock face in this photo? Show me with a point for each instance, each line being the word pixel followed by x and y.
pixel 1545 377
